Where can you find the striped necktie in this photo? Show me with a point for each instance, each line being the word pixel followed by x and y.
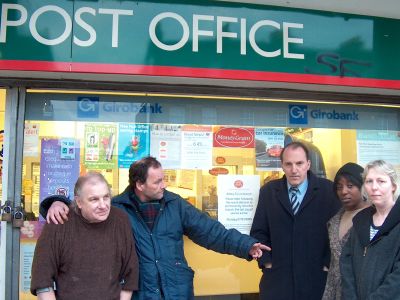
pixel 294 201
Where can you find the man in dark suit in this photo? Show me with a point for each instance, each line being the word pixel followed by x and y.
pixel 291 217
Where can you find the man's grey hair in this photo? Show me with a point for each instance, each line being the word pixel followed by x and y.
pixel 82 180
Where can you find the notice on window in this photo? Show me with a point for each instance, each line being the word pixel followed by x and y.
pixel 30 232
pixel 376 144
pixel 269 145
pixel 196 147
pixel 233 137
pixel 31 140
pixel 237 200
pixel 133 143
pixel 166 144
pixel 68 147
pixel 57 175
pixel 100 142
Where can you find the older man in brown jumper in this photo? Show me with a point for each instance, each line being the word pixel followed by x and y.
pixel 93 255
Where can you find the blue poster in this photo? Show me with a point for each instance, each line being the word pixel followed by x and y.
pixel 133 143
pixel 269 145
pixel 58 174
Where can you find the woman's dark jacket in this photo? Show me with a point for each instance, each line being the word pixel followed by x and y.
pixel 371 268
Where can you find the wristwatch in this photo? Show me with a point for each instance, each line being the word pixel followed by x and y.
pixel 43 290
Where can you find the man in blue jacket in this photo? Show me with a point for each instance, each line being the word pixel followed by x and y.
pixel 159 220
pixel 291 217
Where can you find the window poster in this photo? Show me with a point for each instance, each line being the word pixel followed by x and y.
pixel 133 143
pixel 31 139
pixel 166 144
pixel 233 137
pixel 378 144
pixel 237 200
pixel 36 188
pixel 100 141
pixel 30 232
pixel 68 147
pixel 196 147
pixel 269 145
pixel 57 175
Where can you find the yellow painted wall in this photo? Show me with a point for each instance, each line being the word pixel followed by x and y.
pixel 329 142
pixel 337 146
pixel 226 274
pixel 349 146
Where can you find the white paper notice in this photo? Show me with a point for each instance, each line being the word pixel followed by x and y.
pixel 196 147
pixel 376 144
pixel 237 200
pixel 165 145
pixel 26 257
pixel 31 139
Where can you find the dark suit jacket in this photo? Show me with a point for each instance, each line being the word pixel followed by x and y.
pixel 300 243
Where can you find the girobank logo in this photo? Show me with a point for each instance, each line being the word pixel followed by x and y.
pixel 88 107
pixel 320 114
pixel 137 108
pixel 298 114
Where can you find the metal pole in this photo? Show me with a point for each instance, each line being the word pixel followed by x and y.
pixel 12 179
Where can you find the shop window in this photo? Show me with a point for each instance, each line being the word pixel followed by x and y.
pixel 208 148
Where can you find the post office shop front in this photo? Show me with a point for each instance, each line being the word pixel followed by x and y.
pixel 213 89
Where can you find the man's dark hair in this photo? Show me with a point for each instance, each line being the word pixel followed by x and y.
pixel 139 170
pixel 295 145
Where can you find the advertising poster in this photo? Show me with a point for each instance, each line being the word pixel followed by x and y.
pixel 233 137
pixel 100 143
pixel 237 200
pixel 31 140
pixel 166 144
pixel 375 144
pixel 269 145
pixel 57 175
pixel 196 147
pixel 30 232
pixel 68 148
pixel 133 143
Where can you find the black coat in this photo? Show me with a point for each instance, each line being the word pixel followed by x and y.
pixel 371 268
pixel 300 243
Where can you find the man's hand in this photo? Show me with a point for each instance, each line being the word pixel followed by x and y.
pixel 57 213
pixel 47 295
pixel 125 295
pixel 256 250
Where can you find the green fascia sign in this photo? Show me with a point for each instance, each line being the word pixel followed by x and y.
pixel 204 39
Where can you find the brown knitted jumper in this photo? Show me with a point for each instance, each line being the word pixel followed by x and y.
pixel 86 260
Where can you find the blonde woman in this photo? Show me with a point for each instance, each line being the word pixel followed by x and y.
pixel 370 261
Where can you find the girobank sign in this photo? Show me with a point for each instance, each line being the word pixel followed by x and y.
pixel 91 107
pixel 298 114
pixel 198 39
pixel 320 114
